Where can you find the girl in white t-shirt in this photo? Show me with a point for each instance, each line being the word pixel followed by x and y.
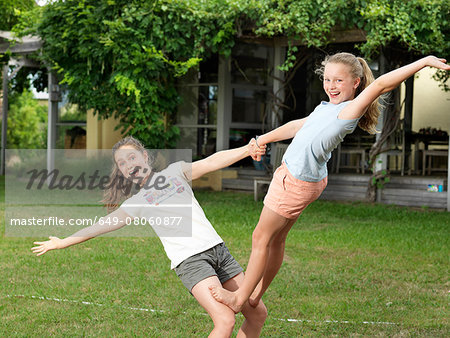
pixel 352 93
pixel 199 256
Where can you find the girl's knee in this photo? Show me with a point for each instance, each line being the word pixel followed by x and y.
pixel 261 312
pixel 280 238
pixel 260 239
pixel 257 315
pixel 279 241
pixel 225 322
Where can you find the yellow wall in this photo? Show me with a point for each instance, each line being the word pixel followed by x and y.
pixel 431 106
pixel 100 133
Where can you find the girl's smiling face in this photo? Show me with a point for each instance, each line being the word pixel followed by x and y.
pixel 132 163
pixel 338 82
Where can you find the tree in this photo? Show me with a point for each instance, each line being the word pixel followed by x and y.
pixel 26 123
pixel 121 58
pixel 11 10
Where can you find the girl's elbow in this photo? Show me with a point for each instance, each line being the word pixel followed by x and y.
pixel 380 83
pixel 383 85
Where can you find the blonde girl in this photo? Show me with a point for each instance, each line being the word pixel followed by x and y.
pixel 200 258
pixel 352 100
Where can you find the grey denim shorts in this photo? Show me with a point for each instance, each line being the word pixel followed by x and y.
pixel 216 261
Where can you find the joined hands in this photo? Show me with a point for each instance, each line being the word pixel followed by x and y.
pixel 255 150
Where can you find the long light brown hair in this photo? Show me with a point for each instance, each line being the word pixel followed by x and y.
pixel 120 188
pixel 359 69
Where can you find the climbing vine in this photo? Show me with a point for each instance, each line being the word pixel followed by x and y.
pixel 122 57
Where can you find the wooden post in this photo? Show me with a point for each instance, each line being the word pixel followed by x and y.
pixel 54 96
pixel 278 91
pixel 4 117
pixel 407 126
pixel 381 159
pixel 224 98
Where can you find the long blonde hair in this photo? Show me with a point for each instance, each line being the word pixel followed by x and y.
pixel 359 69
pixel 120 188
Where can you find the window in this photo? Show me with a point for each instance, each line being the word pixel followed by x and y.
pixel 197 114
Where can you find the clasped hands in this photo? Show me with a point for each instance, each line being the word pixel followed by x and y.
pixel 256 150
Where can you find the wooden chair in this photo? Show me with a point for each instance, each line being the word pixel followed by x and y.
pixel 354 148
pixel 359 152
pixel 430 153
pixel 278 151
pixel 397 149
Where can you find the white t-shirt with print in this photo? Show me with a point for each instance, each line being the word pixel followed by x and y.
pixel 174 214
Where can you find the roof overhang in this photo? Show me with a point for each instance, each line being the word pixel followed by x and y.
pixel 25 45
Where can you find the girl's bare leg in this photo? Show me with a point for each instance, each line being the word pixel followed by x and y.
pixel 222 316
pixel 254 316
pixel 276 255
pixel 269 225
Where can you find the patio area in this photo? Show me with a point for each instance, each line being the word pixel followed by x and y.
pixel 409 190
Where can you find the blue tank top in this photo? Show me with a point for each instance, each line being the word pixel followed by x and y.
pixel 307 156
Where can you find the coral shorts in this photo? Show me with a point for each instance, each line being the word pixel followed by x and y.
pixel 288 196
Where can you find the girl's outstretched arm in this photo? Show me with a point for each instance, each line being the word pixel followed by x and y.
pixel 220 160
pixel 113 221
pixel 284 132
pixel 386 83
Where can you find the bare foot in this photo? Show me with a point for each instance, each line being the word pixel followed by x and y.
pixel 225 297
pixel 254 301
pixel 255 297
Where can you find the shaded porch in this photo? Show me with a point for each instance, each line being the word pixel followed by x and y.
pixel 410 190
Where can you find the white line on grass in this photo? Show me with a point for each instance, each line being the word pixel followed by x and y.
pixel 203 314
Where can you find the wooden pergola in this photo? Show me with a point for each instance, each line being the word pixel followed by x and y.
pixel 20 49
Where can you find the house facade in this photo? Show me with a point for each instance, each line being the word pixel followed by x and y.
pixel 227 101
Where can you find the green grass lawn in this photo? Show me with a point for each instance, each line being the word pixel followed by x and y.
pixel 350 270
